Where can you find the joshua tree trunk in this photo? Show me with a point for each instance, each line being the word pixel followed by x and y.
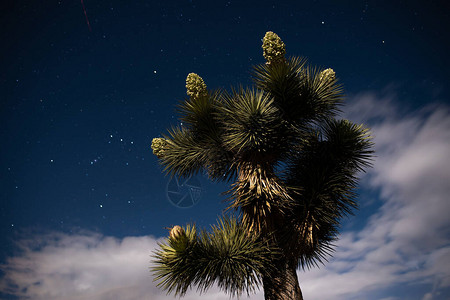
pixel 283 283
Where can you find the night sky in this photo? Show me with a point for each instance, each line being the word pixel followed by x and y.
pixel 81 99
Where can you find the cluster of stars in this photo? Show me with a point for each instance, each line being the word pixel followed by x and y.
pixel 96 160
pixel 120 139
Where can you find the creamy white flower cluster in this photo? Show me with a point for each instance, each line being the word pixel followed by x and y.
pixel 158 145
pixel 327 75
pixel 273 47
pixel 195 86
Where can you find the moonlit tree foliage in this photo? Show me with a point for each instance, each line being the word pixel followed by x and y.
pixel 293 166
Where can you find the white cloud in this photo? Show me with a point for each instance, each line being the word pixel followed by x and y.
pixel 405 242
pixel 86 266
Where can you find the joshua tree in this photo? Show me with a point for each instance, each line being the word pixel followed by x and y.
pixel 293 167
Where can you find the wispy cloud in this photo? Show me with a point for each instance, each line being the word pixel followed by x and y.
pixel 405 241
pixel 85 266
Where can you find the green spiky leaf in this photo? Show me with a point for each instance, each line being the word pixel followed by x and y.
pixel 228 256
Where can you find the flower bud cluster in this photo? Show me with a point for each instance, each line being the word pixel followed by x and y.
pixel 195 86
pixel 176 232
pixel 274 49
pixel 327 75
pixel 158 146
pixel 178 238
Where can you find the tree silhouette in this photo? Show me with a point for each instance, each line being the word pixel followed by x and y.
pixel 293 166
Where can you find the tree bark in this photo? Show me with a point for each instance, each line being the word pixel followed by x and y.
pixel 282 284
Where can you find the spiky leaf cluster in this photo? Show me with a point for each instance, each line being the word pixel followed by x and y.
pixel 251 124
pixel 182 152
pixel 324 169
pixel 302 93
pixel 227 256
pixel 197 144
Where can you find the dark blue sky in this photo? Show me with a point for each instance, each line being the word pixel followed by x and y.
pixel 79 107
